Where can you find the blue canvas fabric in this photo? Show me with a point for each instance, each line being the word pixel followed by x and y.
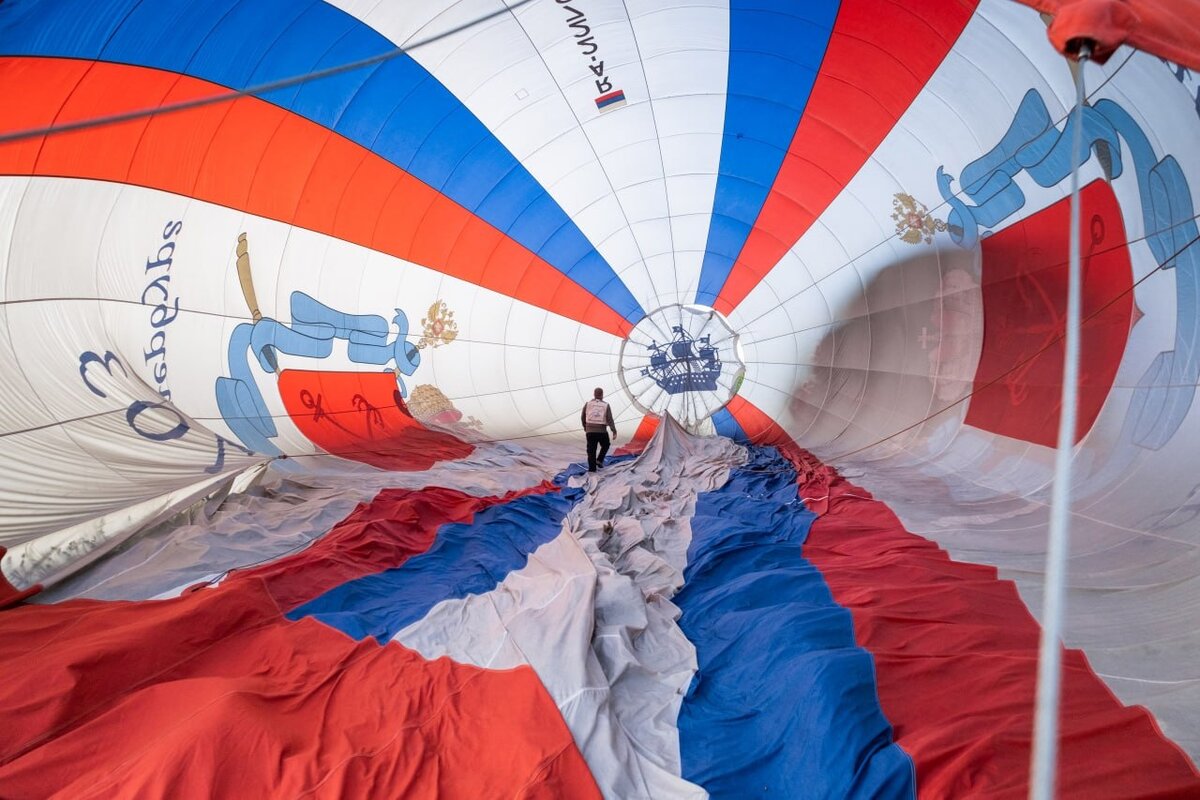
pixel 775 51
pixel 465 558
pixel 784 703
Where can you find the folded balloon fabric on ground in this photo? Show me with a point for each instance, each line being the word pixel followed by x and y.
pixel 683 624
pixel 300 302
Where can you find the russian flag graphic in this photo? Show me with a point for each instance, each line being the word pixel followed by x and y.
pixel 611 100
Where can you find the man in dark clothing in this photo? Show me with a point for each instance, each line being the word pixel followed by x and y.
pixel 596 416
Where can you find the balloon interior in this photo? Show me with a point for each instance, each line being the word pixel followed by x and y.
pixel 300 303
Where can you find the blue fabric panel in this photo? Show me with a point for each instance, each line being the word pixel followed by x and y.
pixel 395 109
pixel 784 703
pixel 387 89
pixel 513 192
pixel 170 34
pixel 326 100
pixel 465 559
pixel 480 173
pixel 775 52
pixel 316 31
pixel 559 244
pixel 728 427
pixel 42 27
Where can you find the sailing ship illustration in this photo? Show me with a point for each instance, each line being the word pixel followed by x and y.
pixel 684 364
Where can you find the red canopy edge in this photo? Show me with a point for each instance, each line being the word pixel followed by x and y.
pixel 1169 29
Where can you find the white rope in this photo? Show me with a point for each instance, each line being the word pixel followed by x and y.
pixel 1045 736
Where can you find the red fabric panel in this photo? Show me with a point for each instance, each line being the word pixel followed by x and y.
pixel 382 534
pixel 1018 383
pixel 361 416
pixel 256 157
pixel 955 651
pixel 956 666
pixel 1166 28
pixel 215 695
pixel 641 437
pixel 880 56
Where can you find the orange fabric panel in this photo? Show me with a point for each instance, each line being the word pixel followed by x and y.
pixel 34 91
pixel 646 428
pixel 253 156
pixel 440 228
pixel 281 176
pixel 108 150
pixel 405 210
pixel 184 138
pixel 505 260
pixel 546 290
pixel 362 201
pixel 234 153
pixel 758 427
pixel 332 171
pixel 641 437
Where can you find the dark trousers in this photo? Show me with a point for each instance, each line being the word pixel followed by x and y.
pixel 595 440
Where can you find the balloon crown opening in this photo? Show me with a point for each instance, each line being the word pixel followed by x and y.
pixel 682 360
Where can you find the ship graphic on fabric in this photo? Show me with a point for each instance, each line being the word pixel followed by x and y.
pixel 684 364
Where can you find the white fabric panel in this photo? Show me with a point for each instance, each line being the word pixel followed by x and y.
pixel 49 559
pixel 591 613
pixel 638 180
pixel 289 507
pixel 837 265
pixel 115 231
pixel 876 399
pixel 85 362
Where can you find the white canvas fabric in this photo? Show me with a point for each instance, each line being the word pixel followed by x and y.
pixel 591 613
pixel 287 508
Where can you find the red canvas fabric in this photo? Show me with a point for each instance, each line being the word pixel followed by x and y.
pixel 955 652
pixel 215 694
pixel 1018 383
pixel 382 534
pixel 1167 28
pixel 641 437
pixel 361 416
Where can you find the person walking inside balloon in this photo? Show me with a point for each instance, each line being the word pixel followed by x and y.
pixel 595 418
